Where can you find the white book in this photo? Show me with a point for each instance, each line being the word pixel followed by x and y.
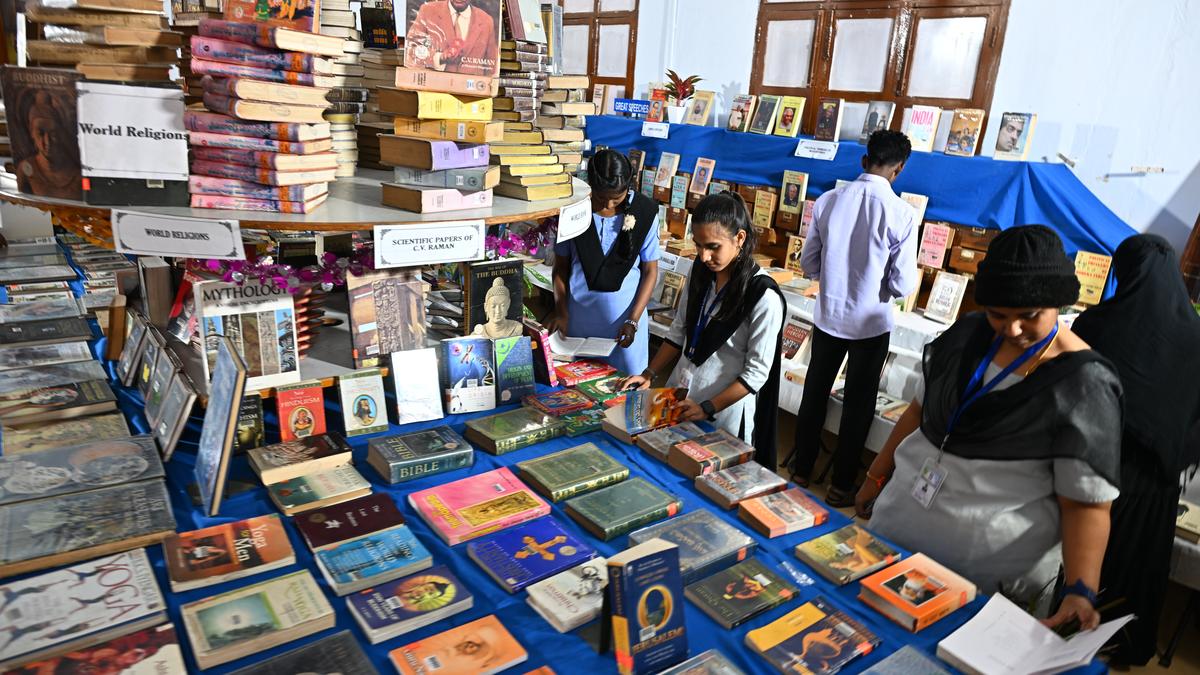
pixel 261 322
pixel 570 599
pixel 574 348
pixel 363 400
pixel 418 393
pixel 946 297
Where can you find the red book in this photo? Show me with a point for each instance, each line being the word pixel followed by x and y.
pixel 586 370
pixel 301 410
pixel 543 359
pixel 348 520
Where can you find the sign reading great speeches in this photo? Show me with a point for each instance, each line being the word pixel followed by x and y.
pixel 631 106
pixel 429 243
pixel 177 236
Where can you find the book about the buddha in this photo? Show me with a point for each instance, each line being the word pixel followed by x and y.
pixel 41 111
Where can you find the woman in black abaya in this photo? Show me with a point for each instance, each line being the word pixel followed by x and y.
pixel 1151 333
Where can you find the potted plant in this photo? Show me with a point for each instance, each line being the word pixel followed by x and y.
pixel 679 90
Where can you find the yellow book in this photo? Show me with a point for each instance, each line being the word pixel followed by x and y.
pixel 522 170
pixel 533 194
pixel 795 191
pixel 534 137
pixel 533 181
pixel 431 105
pixel 449 130
pixel 764 208
pixel 523 160
pixel 791 110
pixel 503 150
pixel 1092 270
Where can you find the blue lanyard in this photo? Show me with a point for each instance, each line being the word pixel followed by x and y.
pixel 977 388
pixel 706 312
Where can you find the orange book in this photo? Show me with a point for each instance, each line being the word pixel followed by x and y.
pixel 782 513
pixel 481 646
pixel 916 592
pixel 226 552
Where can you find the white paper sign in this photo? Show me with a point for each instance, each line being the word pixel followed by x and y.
pixel 810 149
pixel 429 243
pixel 574 219
pixel 656 129
pixel 150 234
pixel 132 132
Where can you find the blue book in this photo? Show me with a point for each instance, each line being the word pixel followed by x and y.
pixel 514 369
pixel 402 605
pixel 528 553
pixel 377 557
pixel 645 592
pixel 468 374
pixel 707 544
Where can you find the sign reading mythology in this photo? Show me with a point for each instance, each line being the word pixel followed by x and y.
pixel 176 236
pixel 429 243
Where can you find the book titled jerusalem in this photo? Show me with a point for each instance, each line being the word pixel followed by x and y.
pixel 260 320
pixel 846 554
pixel 403 605
pixel 252 618
pixel 351 566
pixel 572 471
pixel 79 468
pixel 614 510
pixel 337 653
pixel 728 487
pixel 780 513
pixel 477 505
pixel 74 607
pixel 737 594
pixel 645 593
pixel 226 552
pixel 528 553
pixel 706 542
pixel 788 642
pixel 508 431
pixel 291 459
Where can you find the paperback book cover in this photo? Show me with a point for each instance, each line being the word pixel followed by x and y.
pixel 528 553
pixel 343 522
pixel 312 491
pixel 645 594
pixel 737 594
pixel 907 659
pixel 301 410
pixel 468 374
pixel 176 411
pixel 558 403
pixel 77 431
pixel 492 650
pixel 606 390
pixel 63 401
pixel 514 369
pixel 406 604
pixel 259 320
pixel 363 402
pixel 225 552
pixel 648 409
pixel 41 114
pixel 572 598
pixel 508 431
pixel 708 453
pixel 416 454
pixel 57 612
pixel 387 314
pixel 816 637
pixel 577 372
pixel 728 487
pixel 350 566
pixel 337 653
pixel 846 554
pixel 706 542
pixel 305 17
pixel 415 378
pixel 572 471
pixel 250 432
pixel 711 662
pixel 433 42
pixel 292 459
pixel 614 510
pixel 780 513
pixel 583 421
pixel 659 441
pixel 79 468
pixel 42 310
pixel 916 592
pixel 477 505
pixel 149 651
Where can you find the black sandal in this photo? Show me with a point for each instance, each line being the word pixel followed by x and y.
pixel 839 499
pixel 802 481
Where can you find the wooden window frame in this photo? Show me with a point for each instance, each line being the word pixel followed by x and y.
pixel 594 19
pixel 906 14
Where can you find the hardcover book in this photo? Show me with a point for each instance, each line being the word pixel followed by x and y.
pixel 351 566
pixel 324 527
pixel 208 122
pixel 614 510
pixel 291 459
pixel 583 421
pixel 737 594
pixel 36 377
pixel 56 402
pixel 528 553
pixel 829 119
pixel 42 310
pixel 780 513
pixel 708 453
pixel 645 593
pixel 508 431
pixel 789 642
pixel 728 487
pixel 396 607
pixel 45 533
pixel 315 490
pixel 572 471
pixel 17 441
pixel 387 314
pixel 300 17
pixel 247 620
pixel 226 552
pixel 79 468
pixel 301 408
pixel 337 653
pixel 493 295
pixel 165 370
pixel 220 421
pixel 250 433
pixel 514 369
pixel 916 592
pixel 1187 519
pixel 945 297
pixel 415 378
pixel 176 410
pixel 706 543
pixel 572 598
pixel 659 441
pixel 468 374
pixel 711 662
pixel 434 42
pixel 363 402
pixel 578 372
pixel 58 612
pixel 41 114
pixel 260 322
pixel 405 457
pixel 44 273
pixel 477 505
pixel 559 403
pixel 492 649
pixel 846 554
pixel 45 332
pixel 606 390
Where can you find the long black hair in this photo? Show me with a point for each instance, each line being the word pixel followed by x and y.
pixel 727 210
pixel 608 172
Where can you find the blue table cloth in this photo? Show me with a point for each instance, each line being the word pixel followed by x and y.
pixel 972 191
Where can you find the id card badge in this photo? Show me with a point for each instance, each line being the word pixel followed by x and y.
pixel 686 372
pixel 928 482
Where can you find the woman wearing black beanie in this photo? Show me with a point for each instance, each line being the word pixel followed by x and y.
pixel 1005 466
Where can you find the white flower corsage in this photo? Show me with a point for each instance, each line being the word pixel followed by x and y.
pixel 629 222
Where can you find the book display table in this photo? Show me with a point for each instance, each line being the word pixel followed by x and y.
pixel 568 653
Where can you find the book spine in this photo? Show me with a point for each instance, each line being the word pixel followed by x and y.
pixel 245 32
pixel 454 83
pixel 222 124
pixel 622 645
pixel 235 171
pixel 401 472
pixel 617 529
pixel 242 204
pixel 228 187
pixel 214 48
pixel 220 69
pixel 207 140
pixel 461 179
pixel 262 160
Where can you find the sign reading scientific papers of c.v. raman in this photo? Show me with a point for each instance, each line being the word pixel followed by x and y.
pixel 429 243
pixel 176 236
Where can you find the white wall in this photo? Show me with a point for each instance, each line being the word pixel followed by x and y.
pixel 1115 84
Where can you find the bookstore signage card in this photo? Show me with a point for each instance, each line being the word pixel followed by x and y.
pixel 429 243
pixel 177 236
pixel 574 219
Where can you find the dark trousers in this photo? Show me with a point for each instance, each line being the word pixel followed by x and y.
pixel 863 368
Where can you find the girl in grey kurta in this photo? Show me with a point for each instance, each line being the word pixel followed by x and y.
pixel 726 332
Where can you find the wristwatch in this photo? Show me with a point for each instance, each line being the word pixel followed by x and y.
pixel 1081 589
pixel 709 409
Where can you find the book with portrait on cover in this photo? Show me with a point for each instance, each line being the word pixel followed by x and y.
pixel 916 592
pixel 364 408
pixel 477 505
pixel 301 408
pixel 41 114
pixel 225 552
pixel 396 607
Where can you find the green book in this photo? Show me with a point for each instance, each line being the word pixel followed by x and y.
pixel 513 430
pixel 572 471
pixel 583 421
pixel 614 510
pixel 737 594
pixel 604 389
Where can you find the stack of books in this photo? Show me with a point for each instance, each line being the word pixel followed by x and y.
pixel 379 70
pixel 348 98
pixel 117 40
pixel 268 146
pixel 186 16
pixel 562 118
